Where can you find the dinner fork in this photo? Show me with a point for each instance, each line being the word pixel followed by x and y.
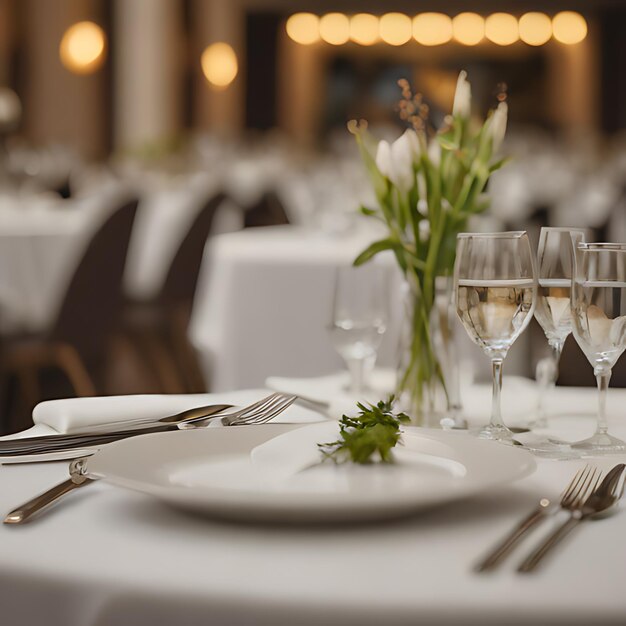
pixel 600 499
pixel 271 406
pixel 257 413
pixel 577 487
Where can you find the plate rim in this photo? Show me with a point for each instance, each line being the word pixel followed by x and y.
pixel 240 504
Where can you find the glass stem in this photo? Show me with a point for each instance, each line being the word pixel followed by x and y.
pixel 360 369
pixel 603 376
pixel 557 348
pixel 547 382
pixel 496 414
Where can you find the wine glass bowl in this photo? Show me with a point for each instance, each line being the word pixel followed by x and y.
pixel 359 320
pixel 554 278
pixel 495 283
pixel 599 325
pixel 553 310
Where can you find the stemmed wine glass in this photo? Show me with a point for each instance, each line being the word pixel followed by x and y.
pixel 554 275
pixel 599 325
pixel 359 319
pixel 496 287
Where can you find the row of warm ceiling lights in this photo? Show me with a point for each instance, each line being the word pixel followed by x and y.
pixel 434 29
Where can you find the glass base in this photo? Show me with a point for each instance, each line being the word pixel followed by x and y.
pixel 501 434
pixel 549 448
pixel 598 444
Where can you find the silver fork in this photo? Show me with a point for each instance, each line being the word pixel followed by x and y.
pixel 257 413
pixel 545 508
pixel 601 497
pixel 265 410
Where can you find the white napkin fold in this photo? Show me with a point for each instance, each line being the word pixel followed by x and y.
pixel 62 416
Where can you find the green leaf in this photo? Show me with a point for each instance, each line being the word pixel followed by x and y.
pixel 371 435
pixel 369 212
pixel 447 143
pixel 375 248
pixel 379 182
pixel 498 164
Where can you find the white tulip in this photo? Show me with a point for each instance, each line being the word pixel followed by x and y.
pixel 497 126
pixel 434 152
pixel 413 140
pixel 396 161
pixel 383 158
pixel 462 96
pixel 403 156
pixel 424 230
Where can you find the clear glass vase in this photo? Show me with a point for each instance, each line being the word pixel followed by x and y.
pixel 428 371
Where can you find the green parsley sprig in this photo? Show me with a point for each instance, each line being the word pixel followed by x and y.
pixel 369 436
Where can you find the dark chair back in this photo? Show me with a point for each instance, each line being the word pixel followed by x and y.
pixel 575 370
pixel 268 211
pixel 93 301
pixel 182 276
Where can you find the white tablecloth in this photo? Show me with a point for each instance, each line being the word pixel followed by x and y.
pixel 264 305
pixel 113 557
pixel 40 245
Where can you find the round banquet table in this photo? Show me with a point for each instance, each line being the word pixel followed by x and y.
pixel 107 556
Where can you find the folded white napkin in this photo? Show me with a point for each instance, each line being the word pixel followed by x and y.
pixel 61 416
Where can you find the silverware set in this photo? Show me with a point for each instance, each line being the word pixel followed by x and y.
pixel 589 494
pixel 257 413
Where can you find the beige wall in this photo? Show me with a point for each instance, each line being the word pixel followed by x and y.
pixel 149 49
pixel 59 106
pixel 220 111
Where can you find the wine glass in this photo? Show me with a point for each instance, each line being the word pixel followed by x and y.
pixel 554 277
pixel 599 325
pixel 359 319
pixel 496 288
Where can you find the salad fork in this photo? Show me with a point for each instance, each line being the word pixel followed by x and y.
pixel 579 487
pixel 258 413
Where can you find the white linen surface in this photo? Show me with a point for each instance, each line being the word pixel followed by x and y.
pixel 257 292
pixel 519 394
pixel 40 244
pixel 109 556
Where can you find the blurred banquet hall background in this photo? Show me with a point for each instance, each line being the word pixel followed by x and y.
pixel 134 132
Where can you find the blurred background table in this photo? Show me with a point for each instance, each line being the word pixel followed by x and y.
pixel 265 300
pixel 40 243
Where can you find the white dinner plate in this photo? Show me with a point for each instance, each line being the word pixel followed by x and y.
pixel 270 472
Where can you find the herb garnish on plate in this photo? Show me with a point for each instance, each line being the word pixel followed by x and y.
pixel 369 436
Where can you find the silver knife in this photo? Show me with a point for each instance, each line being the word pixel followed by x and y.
pixel 52 443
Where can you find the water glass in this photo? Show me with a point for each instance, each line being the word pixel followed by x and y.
pixel 359 319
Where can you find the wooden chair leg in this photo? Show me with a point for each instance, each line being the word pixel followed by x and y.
pixel 166 370
pixel 68 360
pixel 29 397
pixel 185 353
